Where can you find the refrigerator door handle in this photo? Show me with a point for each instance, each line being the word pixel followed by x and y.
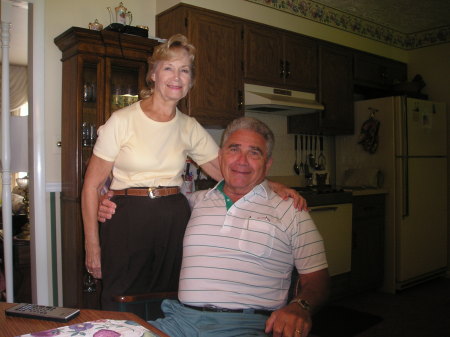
pixel 405 154
pixel 405 188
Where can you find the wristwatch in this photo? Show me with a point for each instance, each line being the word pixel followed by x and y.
pixel 304 304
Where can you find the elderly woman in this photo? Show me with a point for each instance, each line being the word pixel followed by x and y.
pixel 145 145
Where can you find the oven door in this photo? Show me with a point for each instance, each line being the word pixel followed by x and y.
pixel 335 225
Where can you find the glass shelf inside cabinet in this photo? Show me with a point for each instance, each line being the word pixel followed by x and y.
pixel 124 87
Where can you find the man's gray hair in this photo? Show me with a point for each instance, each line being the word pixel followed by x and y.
pixel 252 124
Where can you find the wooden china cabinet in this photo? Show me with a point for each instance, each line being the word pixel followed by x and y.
pixel 102 71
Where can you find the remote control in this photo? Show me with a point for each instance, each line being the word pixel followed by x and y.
pixel 49 313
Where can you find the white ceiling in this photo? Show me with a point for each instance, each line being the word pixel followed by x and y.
pixel 405 16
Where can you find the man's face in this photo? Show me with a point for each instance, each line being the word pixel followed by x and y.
pixel 243 161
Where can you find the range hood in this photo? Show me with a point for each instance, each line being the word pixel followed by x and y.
pixel 274 101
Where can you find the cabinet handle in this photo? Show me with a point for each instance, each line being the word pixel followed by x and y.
pixel 288 69
pixel 282 69
pixel 58 144
pixel 240 100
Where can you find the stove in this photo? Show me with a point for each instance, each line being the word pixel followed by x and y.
pixel 324 195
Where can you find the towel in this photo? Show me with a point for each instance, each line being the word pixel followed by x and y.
pixel 99 328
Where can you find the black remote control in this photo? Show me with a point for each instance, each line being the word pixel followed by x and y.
pixel 48 313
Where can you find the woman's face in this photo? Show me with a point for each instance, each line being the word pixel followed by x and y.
pixel 173 77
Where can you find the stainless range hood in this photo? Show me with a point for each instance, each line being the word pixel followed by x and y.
pixel 275 101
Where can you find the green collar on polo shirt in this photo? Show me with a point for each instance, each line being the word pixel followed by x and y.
pixel 228 201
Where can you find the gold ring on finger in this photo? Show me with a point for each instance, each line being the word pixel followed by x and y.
pixel 299 332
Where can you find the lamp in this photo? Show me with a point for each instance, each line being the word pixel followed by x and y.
pixel 19 163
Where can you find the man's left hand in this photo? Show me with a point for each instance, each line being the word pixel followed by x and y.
pixel 289 321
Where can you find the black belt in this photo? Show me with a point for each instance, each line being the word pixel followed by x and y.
pixel 151 192
pixel 239 311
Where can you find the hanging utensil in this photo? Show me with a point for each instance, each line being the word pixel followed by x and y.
pixel 296 167
pixel 321 160
pixel 316 164
pixel 312 160
pixel 302 168
pixel 306 165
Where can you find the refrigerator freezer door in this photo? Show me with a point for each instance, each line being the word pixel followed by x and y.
pixel 426 128
pixel 422 232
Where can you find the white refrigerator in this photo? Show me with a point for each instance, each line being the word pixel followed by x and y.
pixel 411 153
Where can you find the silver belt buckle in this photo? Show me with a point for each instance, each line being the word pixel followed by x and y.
pixel 151 194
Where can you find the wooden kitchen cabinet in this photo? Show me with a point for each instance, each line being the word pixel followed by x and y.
pixel 336 89
pixel 217 96
pixel 275 57
pixel 335 93
pixel 368 242
pixel 102 71
pixel 378 72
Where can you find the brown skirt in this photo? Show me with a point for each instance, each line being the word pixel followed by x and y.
pixel 142 246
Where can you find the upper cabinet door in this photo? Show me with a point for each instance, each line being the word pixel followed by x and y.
pixel 275 57
pixel 216 98
pixel 263 55
pixel 336 89
pixel 376 71
pixel 300 62
pixel 217 95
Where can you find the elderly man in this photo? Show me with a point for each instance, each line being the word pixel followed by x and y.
pixel 239 250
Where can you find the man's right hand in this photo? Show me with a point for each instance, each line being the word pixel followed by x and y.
pixel 106 208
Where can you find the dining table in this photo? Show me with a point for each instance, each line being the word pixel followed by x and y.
pixel 16 326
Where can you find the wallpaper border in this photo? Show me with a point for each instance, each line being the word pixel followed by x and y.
pixel 334 18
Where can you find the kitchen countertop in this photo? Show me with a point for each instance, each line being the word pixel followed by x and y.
pixel 316 197
pixel 366 191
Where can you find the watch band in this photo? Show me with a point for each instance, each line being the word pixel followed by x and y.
pixel 304 304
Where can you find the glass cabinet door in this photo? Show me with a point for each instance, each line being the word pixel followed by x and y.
pixel 108 85
pixel 124 80
pixel 92 109
pixel 90 98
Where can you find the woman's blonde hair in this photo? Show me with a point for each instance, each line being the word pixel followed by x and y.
pixel 164 52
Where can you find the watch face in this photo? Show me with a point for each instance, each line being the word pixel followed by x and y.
pixel 304 304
